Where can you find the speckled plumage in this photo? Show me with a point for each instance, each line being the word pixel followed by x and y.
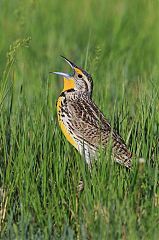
pixel 86 125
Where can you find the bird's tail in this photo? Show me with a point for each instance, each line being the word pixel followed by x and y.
pixel 125 163
pixel 124 159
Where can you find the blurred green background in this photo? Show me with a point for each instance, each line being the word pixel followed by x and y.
pixel 112 39
pixel 118 43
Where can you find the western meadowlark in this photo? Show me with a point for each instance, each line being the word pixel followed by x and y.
pixel 81 121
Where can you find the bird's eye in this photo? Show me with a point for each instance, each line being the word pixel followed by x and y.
pixel 79 75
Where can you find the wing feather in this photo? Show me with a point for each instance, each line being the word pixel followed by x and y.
pixel 91 126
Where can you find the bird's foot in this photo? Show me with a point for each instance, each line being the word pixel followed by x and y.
pixel 80 186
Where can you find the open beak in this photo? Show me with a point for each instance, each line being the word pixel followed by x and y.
pixel 66 75
pixel 72 65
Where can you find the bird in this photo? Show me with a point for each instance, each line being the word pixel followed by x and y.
pixel 83 123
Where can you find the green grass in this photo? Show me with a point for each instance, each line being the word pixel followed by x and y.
pixel 117 42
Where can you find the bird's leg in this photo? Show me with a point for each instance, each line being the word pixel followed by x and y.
pixel 80 186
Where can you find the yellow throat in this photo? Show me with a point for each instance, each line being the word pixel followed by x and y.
pixel 68 84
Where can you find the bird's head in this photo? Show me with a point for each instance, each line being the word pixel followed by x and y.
pixel 80 80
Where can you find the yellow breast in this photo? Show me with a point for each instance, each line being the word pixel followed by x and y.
pixel 63 126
